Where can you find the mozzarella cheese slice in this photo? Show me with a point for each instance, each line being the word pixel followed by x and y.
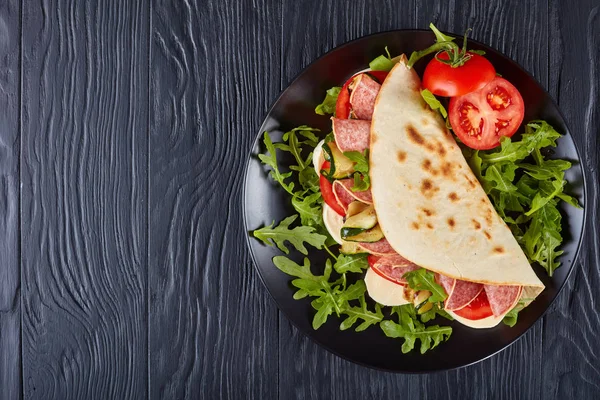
pixel 318 158
pixel 333 222
pixel 383 291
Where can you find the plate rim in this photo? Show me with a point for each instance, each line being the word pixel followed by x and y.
pixel 247 231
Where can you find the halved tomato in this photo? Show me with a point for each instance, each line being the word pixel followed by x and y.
pixel 480 118
pixel 479 308
pixel 327 191
pixel 342 106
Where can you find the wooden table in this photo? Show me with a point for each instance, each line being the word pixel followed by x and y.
pixel 124 130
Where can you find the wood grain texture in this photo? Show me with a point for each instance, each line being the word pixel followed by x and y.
pixel 571 345
pixel 10 302
pixel 84 199
pixel 307 371
pixel 213 331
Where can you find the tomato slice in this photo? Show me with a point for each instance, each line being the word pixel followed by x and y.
pixel 372 259
pixel 479 308
pixel 327 192
pixel 342 106
pixel 480 118
pixel 444 80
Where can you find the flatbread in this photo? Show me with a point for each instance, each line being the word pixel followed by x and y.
pixel 430 206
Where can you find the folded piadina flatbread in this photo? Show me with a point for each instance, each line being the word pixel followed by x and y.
pixel 431 211
pixel 429 204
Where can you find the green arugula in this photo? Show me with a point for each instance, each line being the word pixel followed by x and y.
pixel 422 279
pixel 361 313
pixel 327 107
pixel 356 263
pixel 271 161
pixel 362 181
pixel 525 194
pixel 410 329
pixel 512 316
pixel 310 209
pixel 295 236
pixel 434 312
pixel 382 63
pixel 433 102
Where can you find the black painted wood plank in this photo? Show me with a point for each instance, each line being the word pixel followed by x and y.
pixel 84 199
pixel 214 73
pixel 571 340
pixel 520 31
pixel 10 302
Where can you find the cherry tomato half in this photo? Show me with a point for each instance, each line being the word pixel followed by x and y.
pixel 327 192
pixel 444 80
pixel 342 106
pixel 479 308
pixel 480 118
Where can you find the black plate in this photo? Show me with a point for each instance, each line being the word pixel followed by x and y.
pixel 264 202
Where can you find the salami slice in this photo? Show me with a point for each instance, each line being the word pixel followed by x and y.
pixel 502 298
pixel 341 195
pixel 380 248
pixel 393 267
pixel 351 134
pixel 348 184
pixel 363 96
pixel 446 282
pixel 462 294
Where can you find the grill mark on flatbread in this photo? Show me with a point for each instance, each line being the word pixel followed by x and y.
pixel 428 189
pixel 425 121
pixel 429 225
pixel 499 249
pixel 447 170
pixel 415 136
pixel 415 226
pixel 401 156
pixel 426 165
pixel 488 216
pixel 441 150
pixel 428 212
pixel 451 223
pixel 453 196
pixel 476 224
pixel 487 235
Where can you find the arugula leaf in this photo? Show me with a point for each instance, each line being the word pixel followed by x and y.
pixel 362 181
pixel 548 190
pixel 410 329
pixel 296 236
pixel 308 178
pixel 433 102
pixel 310 209
pixel 351 263
pixel 434 312
pixel 549 169
pixel 538 134
pixel 271 161
pixel 367 316
pixel 512 316
pixel 382 63
pixel 328 104
pixel 422 279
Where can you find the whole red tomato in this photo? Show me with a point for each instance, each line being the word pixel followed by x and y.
pixel 444 80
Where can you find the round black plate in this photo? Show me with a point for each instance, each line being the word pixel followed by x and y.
pixel 265 202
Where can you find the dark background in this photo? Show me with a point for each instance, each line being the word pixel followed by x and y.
pixel 124 130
